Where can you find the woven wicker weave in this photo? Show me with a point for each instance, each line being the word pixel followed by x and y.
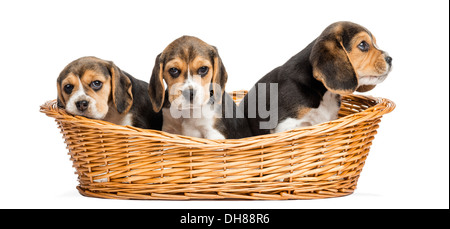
pixel 320 161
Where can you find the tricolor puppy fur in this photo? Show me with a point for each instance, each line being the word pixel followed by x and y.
pixel 343 59
pixel 98 89
pixel 195 103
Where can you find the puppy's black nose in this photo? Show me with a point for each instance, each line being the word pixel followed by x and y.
pixel 189 94
pixel 388 60
pixel 82 105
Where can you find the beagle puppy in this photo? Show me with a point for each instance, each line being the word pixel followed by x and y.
pixel 195 103
pixel 98 89
pixel 343 59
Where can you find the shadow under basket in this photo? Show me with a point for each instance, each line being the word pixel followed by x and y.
pixel 124 162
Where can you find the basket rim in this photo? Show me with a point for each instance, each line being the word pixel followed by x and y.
pixel 381 106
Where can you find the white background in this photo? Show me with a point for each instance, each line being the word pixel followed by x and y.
pixel 408 165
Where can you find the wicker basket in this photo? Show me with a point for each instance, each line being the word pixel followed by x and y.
pixel 124 162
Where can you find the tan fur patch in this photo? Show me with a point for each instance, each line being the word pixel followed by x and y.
pixel 205 80
pixel 102 96
pixel 174 83
pixel 302 111
pixel 365 88
pixel 338 28
pixel 70 79
pixel 370 63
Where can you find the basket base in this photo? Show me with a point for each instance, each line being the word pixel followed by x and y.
pixel 215 196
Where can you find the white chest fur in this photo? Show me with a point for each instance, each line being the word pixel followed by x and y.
pixel 327 111
pixel 202 127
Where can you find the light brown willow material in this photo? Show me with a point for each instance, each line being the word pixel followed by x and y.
pixel 124 162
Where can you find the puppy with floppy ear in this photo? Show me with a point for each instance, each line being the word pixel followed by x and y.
pixel 343 59
pixel 98 89
pixel 194 103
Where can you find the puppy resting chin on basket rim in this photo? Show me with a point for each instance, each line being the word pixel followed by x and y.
pixel 98 89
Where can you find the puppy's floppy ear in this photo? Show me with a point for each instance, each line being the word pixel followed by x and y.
pixel 156 89
pixel 220 76
pixel 120 88
pixel 331 64
pixel 60 101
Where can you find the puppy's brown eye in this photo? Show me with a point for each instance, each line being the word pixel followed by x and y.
pixel 174 72
pixel 363 46
pixel 68 88
pixel 202 71
pixel 96 85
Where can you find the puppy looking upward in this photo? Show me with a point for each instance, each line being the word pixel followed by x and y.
pixel 195 103
pixel 344 58
pixel 98 89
